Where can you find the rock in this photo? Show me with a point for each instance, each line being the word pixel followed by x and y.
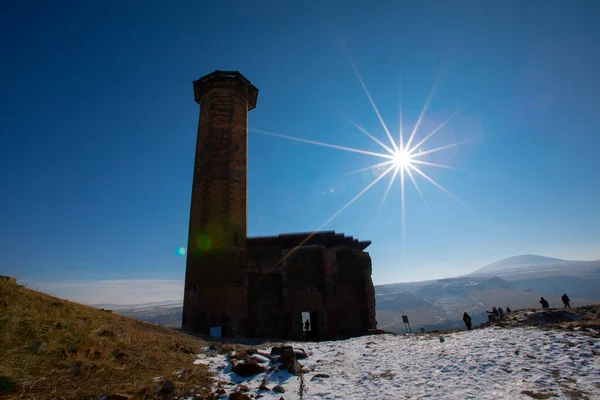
pixel 267 355
pixel 294 367
pixel 119 396
pixel 244 388
pixel 238 396
pixel 106 332
pixel 260 358
pixel 300 354
pixel 166 388
pixel 278 350
pixel 187 350
pixel 248 367
pixel 118 354
pixel 279 389
pixel 319 376
pixel 39 347
pixel 263 385
pixel 286 355
pixel 376 332
pixel 259 396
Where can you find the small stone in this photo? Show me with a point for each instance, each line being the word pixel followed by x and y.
pixel 244 388
pixel 259 396
pixel 167 387
pixel 106 332
pixel 263 385
pixel 279 389
pixel 119 396
pixel 187 350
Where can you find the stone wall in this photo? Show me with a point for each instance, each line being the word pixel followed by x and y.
pixel 329 283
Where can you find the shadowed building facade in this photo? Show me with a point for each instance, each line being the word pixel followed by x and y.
pixel 259 287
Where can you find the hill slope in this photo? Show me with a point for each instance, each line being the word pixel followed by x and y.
pixel 547 276
pixel 517 262
pixel 55 348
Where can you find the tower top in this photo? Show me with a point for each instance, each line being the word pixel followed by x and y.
pixel 207 82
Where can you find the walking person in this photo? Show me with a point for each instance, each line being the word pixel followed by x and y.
pixel 467 321
pixel 566 300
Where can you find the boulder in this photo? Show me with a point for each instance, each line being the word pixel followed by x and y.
pixel 278 350
pixel 286 355
pixel 239 396
pixel 248 367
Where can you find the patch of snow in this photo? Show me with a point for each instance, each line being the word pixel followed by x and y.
pixel 489 363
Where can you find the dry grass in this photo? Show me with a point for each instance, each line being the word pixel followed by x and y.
pixel 52 348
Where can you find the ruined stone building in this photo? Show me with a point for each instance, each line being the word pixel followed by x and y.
pixel 263 286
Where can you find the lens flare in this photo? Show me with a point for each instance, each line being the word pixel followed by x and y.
pixel 403 158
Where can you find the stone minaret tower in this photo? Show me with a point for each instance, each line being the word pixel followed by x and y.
pixel 215 282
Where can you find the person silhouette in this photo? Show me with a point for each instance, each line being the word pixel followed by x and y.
pixel 566 300
pixel 467 321
pixel 307 326
pixel 544 303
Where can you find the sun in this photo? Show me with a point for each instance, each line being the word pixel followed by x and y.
pixel 402 159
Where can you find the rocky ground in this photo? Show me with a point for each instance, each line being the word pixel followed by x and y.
pixel 527 354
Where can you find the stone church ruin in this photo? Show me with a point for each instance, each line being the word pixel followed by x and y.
pixel 270 286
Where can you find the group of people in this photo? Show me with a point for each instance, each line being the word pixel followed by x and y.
pixel 497 312
pixel 565 299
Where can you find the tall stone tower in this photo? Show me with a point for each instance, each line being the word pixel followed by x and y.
pixel 215 282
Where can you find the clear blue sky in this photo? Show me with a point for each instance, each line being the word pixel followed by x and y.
pixel 98 128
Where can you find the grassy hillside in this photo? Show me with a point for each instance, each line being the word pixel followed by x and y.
pixel 52 348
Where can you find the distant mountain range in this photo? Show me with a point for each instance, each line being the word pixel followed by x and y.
pixel 518 282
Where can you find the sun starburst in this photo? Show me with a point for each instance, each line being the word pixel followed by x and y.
pixel 401 158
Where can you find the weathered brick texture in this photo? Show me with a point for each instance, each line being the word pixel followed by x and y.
pixel 216 285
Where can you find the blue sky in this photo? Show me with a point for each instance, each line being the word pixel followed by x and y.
pixel 98 128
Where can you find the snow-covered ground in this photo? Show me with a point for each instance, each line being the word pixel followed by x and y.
pixel 491 363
